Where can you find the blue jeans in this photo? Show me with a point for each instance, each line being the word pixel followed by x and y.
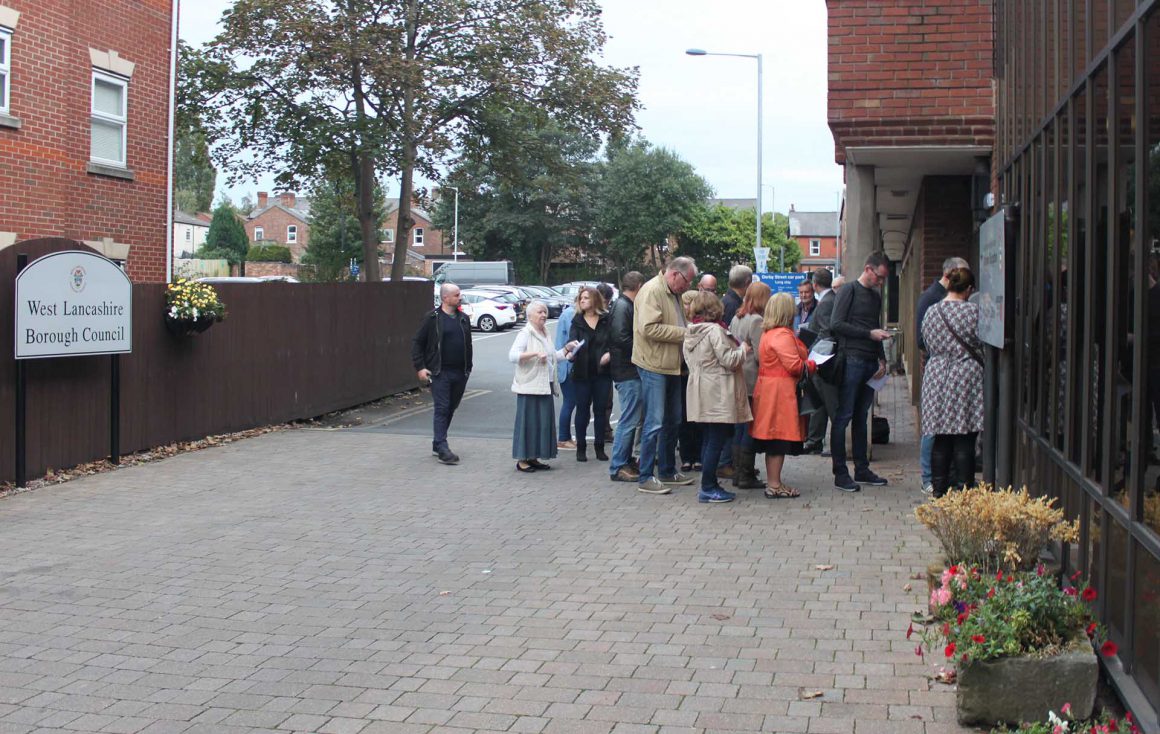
pixel 714 436
pixel 741 437
pixel 661 408
pixel 629 392
pixel 447 389
pixel 924 457
pixel 854 401
pixel 567 405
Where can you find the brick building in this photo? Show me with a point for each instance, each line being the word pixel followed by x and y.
pixel 85 104
pixel 428 247
pixel 912 111
pixel 283 220
pixel 816 235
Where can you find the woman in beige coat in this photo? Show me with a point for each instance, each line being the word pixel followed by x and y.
pixel 715 397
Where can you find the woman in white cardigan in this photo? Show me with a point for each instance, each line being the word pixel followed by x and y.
pixel 535 357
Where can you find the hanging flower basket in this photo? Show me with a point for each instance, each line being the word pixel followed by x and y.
pixel 191 307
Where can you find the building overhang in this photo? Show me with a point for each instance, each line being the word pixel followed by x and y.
pixel 898 175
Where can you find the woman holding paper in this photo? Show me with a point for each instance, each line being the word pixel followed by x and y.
pixel 778 429
pixel 590 372
pixel 534 435
pixel 952 384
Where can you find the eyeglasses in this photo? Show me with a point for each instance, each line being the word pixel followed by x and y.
pixel 684 278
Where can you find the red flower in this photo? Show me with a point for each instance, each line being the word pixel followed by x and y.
pixel 1070 591
pixel 1010 578
pixel 961 618
pixel 954 570
pixel 1076 575
pixel 999 575
pixel 946 629
pixel 978 639
pixel 950 650
pixel 918 651
pixel 1109 648
pixel 964 657
pixel 1091 629
pixel 909 631
pixel 1089 594
pixel 1039 570
pixel 991 593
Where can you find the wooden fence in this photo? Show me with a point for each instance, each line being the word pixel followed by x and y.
pixel 285 351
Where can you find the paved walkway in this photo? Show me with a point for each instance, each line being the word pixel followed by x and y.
pixel 344 582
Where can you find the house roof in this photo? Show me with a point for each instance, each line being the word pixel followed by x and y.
pixel 180 217
pixel 818 224
pixel 738 204
pixel 301 209
pixel 393 205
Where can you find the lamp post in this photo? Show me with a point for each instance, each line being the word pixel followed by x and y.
pixel 701 52
pixel 455 231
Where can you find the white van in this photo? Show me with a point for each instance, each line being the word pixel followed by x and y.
pixel 466 273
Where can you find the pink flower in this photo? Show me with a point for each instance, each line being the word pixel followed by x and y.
pixel 941 597
pixel 1039 570
pixel 1070 591
pixel 1065 709
pixel 909 631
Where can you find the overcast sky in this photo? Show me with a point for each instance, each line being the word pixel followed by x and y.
pixel 704 108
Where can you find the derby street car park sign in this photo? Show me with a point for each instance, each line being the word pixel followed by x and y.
pixel 73 304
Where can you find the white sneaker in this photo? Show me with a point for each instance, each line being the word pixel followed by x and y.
pixel 928 488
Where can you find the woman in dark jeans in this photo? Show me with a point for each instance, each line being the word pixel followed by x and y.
pixel 592 381
pixel 952 384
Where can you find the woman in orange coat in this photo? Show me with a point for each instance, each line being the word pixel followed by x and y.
pixel 777 427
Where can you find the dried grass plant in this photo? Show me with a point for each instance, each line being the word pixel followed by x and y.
pixel 995 529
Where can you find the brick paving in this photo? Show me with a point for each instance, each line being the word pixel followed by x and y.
pixel 343 582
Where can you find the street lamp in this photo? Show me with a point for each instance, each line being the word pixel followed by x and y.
pixel 455 235
pixel 701 52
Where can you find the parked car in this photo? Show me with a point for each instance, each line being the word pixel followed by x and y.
pixel 555 300
pixel 214 279
pixel 469 273
pixel 571 289
pixel 523 293
pixel 488 311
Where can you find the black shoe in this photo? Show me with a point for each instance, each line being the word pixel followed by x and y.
pixel 581 453
pixel 869 477
pixel 846 484
pixel 600 455
pixel 447 457
pixel 434 449
pixel 810 447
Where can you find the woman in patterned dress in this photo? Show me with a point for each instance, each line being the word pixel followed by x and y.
pixel 952 385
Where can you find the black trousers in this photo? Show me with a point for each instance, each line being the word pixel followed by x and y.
pixel 592 402
pixel 447 389
pixel 952 461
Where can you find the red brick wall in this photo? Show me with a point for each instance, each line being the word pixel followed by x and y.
pixel 432 238
pixel 910 72
pixel 944 214
pixel 47 191
pixel 274 222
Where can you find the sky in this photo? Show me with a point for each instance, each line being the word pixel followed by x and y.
pixel 704 108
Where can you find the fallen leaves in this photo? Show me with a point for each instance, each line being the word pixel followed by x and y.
pixel 804 695
pixel 824 567
pixel 906 588
pixel 945 676
pixel 721 617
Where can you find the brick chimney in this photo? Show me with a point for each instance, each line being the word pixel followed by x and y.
pixel 263 199
pixel 287 199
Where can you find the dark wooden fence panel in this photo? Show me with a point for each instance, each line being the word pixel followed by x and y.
pixel 285 351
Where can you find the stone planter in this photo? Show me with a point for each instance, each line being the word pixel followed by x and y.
pixel 188 327
pixel 1025 688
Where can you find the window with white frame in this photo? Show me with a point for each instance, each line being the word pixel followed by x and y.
pixel 189 234
pixel 259 234
pixel 109 120
pixel 5 67
pixel 418 236
pixel 388 235
pixel 291 233
pixel 815 247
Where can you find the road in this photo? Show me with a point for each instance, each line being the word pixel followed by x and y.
pixel 488 409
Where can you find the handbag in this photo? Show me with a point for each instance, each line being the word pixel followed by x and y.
pixel 974 354
pixel 808 399
pixel 833 369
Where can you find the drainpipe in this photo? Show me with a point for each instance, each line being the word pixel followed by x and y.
pixel 169 158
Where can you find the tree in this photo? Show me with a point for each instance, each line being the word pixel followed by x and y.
pixel 774 235
pixel 335 237
pixel 391 86
pixel 226 237
pixel 646 194
pixel 717 238
pixel 194 176
pixel 524 207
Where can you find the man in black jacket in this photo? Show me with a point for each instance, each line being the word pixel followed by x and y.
pixel 626 378
pixel 740 276
pixel 441 354
pixel 825 290
pixel 856 323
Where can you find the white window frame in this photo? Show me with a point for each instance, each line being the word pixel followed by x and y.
pixel 122 120
pixel 291 234
pixel 188 233
pixel 388 235
pixel 259 234
pixel 815 248
pixel 6 70
pixel 417 236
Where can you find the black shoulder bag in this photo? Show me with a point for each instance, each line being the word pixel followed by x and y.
pixel 974 354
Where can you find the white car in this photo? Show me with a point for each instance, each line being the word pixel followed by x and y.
pixel 487 311
pixel 571 289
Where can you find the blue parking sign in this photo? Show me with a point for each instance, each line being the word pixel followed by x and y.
pixel 354 270
pixel 782 282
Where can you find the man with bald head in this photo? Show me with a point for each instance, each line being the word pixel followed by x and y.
pixel 658 326
pixel 441 355
pixel 707 283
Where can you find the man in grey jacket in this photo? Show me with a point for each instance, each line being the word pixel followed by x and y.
pixel 825 290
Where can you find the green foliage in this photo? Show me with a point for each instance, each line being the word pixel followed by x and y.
pixel 981 617
pixel 717 238
pixel 194 176
pixel 1105 723
pixel 335 236
pixel 645 195
pixel 226 238
pixel 269 254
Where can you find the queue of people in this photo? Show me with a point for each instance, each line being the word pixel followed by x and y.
pixel 722 378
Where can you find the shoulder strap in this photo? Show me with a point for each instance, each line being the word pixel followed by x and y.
pixel 974 354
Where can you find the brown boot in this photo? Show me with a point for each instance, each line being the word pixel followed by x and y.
pixel 746 471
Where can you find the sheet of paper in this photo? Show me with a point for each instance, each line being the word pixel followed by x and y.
pixel 820 359
pixel 879 383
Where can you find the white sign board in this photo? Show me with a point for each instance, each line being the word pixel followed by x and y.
pixel 992 285
pixel 72 304
pixel 761 259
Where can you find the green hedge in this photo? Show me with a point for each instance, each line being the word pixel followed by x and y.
pixel 269 254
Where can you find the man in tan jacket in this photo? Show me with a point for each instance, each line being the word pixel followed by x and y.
pixel 658 332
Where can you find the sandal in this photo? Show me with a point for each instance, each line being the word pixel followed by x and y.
pixel 538 465
pixel 780 491
pixel 687 467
